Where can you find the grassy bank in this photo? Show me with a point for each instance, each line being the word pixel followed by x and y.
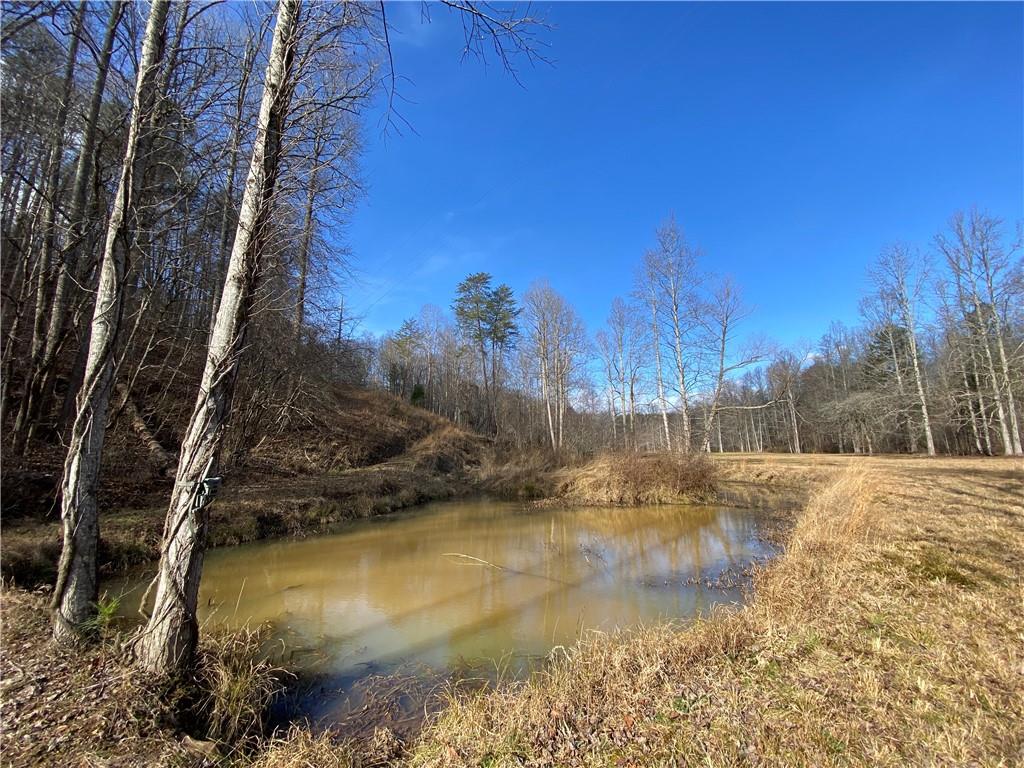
pixel 444 463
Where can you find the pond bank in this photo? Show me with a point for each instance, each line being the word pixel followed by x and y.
pixel 384 610
pixel 447 463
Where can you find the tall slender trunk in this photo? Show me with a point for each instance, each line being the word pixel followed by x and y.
pixel 28 409
pixel 982 410
pixel 611 415
pixel 75 592
pixel 224 240
pixel 546 394
pixel 77 219
pixel 793 421
pixel 1012 427
pixel 997 395
pixel 901 391
pixel 563 396
pixel 657 370
pixel 304 254
pixel 1011 405
pixel 168 640
pixel 919 381
pixel 684 406
pixel 719 382
pixel 970 408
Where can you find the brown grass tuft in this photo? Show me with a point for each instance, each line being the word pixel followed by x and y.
pixel 632 478
pixel 299 748
pixel 237 683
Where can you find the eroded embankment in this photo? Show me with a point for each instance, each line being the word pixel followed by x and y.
pixel 434 461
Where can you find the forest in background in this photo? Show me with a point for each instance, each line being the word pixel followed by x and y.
pixel 935 365
pixel 176 182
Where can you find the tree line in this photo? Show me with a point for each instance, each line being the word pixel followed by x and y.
pixel 935 364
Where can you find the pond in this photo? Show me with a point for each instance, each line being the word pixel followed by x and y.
pixel 471 589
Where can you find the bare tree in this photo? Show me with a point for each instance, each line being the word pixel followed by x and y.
pixel 899 282
pixel 976 263
pixel 671 272
pixel 167 643
pixel 75 593
pixel 558 342
pixel 719 316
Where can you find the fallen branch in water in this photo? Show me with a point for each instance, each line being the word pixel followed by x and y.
pixel 474 559
pixel 489 564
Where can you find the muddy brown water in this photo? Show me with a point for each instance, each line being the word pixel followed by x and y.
pixel 380 613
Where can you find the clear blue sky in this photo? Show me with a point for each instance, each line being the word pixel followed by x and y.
pixel 792 141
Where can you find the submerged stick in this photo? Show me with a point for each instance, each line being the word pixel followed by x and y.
pixel 489 564
pixel 475 559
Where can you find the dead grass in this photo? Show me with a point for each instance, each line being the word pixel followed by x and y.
pixel 630 479
pixel 88 706
pixel 298 748
pixel 889 633
pixel 521 476
pixel 236 684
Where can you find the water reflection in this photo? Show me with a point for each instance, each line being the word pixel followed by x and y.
pixel 461 581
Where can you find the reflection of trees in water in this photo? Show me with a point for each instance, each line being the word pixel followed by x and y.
pixel 385 587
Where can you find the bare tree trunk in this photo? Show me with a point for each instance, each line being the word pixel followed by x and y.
pixel 229 192
pixel 970 407
pixel 1014 426
pixel 908 316
pixel 901 390
pixel 611 415
pixel 793 421
pixel 304 254
pixel 918 381
pixel 1004 430
pixel 546 392
pixel 168 641
pixel 656 340
pixel 982 410
pixel 162 460
pixel 75 593
pixel 719 381
pixel 29 407
pixel 684 407
pixel 76 212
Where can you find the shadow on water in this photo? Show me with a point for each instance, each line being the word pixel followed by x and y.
pixel 379 618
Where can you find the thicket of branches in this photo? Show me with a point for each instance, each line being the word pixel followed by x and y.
pixel 68 71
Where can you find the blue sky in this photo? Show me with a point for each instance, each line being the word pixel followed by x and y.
pixel 792 141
